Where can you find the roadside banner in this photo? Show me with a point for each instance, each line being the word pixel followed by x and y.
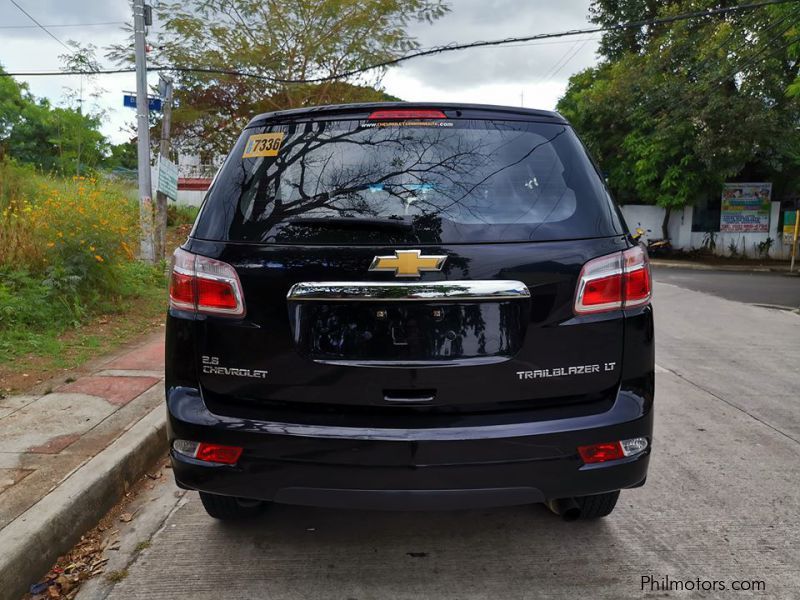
pixel 167 178
pixel 745 207
pixel 789 219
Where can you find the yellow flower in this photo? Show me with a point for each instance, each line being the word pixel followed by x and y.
pixel 98 258
pixel 50 244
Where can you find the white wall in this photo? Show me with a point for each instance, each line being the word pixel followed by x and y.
pixel 650 218
pixel 746 243
pixel 683 238
pixel 191 197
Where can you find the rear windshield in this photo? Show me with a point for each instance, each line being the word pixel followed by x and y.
pixel 412 182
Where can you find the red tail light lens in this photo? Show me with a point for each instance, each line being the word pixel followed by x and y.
pixel 619 280
pixel 400 114
pixel 597 453
pixel 603 291
pixel 217 453
pixel 181 290
pixel 204 285
pixel 216 295
pixel 638 285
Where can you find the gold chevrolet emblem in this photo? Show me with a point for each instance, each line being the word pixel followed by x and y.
pixel 407 263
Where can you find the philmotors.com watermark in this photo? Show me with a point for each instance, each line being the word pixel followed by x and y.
pixel 653 583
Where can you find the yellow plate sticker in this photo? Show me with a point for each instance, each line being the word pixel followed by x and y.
pixel 263 144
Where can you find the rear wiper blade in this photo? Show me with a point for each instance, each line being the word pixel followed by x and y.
pixel 334 222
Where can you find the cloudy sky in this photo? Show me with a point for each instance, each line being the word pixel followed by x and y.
pixel 534 74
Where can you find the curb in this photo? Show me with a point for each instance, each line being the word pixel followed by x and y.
pixel 34 540
pixel 672 264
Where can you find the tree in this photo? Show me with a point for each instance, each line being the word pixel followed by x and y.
pixel 12 101
pixel 81 58
pixel 279 39
pixel 122 156
pixel 617 43
pixel 673 112
pixel 33 131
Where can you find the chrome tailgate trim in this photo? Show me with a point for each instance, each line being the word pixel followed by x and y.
pixel 434 291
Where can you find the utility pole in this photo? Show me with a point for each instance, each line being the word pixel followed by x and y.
pixel 146 250
pixel 161 197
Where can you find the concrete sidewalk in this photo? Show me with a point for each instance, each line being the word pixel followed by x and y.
pixel 699 265
pixel 68 455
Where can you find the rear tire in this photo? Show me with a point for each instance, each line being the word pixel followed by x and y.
pixel 597 506
pixel 228 508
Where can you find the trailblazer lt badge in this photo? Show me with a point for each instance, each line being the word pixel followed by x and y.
pixel 408 263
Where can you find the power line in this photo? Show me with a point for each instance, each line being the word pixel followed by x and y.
pixel 616 27
pixel 42 27
pixel 770 51
pixel 565 60
pixel 64 25
pixel 429 52
pixel 588 39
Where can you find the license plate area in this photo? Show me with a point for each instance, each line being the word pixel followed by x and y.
pixel 408 333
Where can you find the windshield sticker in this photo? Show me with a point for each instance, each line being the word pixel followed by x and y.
pixel 263 144
pixel 407 124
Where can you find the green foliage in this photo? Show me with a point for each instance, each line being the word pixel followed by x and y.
pixel 675 110
pixel 16 181
pixel 764 247
pixel 51 138
pixel 27 301
pixel 123 156
pixel 82 225
pixel 35 309
pixel 283 39
pixel 710 242
pixel 181 214
pixel 65 254
pixel 616 43
pixel 12 102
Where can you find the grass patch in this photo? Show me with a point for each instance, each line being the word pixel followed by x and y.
pixel 143 545
pixel 181 214
pixel 117 576
pixel 70 285
pixel 34 316
pixel 98 335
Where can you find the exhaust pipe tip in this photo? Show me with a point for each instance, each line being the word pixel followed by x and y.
pixel 566 508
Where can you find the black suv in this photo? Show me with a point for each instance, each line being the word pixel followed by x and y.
pixel 410 306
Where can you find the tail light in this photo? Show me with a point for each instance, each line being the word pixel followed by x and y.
pixel 212 453
pixel 597 453
pixel 204 285
pixel 601 452
pixel 616 281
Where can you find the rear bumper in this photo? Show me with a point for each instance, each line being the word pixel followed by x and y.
pixel 453 467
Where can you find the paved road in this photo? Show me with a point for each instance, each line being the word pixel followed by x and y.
pixel 721 502
pixel 769 288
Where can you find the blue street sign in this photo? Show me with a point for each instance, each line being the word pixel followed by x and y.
pixel 154 104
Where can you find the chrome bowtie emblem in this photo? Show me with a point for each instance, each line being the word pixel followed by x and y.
pixel 408 263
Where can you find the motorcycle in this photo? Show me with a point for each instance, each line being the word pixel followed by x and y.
pixel 654 247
